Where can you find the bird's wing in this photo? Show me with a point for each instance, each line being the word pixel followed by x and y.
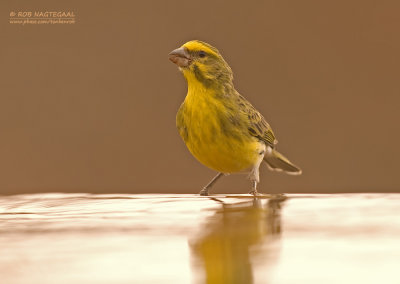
pixel 257 125
pixel 180 123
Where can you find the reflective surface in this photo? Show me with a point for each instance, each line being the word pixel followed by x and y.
pixel 83 238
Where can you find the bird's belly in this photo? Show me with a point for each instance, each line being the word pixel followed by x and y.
pixel 216 135
pixel 222 152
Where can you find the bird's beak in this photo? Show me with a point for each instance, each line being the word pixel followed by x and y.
pixel 180 57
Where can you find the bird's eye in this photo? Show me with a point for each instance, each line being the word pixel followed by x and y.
pixel 202 54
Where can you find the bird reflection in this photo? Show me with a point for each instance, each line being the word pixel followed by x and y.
pixel 233 239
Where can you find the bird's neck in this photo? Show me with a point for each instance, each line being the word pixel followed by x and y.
pixel 198 85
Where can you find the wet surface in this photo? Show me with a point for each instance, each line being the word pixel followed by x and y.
pixel 152 238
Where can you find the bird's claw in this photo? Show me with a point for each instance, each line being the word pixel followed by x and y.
pixel 254 192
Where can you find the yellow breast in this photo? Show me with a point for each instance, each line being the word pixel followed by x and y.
pixel 219 142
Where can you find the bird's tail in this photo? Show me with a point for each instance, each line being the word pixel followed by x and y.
pixel 277 162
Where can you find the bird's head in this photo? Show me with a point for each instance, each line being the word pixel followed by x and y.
pixel 201 62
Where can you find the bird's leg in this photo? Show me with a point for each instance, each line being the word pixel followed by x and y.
pixel 254 175
pixel 254 188
pixel 204 191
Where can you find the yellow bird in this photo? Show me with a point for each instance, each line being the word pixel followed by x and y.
pixel 219 126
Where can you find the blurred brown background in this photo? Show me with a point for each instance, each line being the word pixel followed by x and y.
pixel 91 106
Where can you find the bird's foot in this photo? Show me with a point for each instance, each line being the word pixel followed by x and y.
pixel 204 192
pixel 254 192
